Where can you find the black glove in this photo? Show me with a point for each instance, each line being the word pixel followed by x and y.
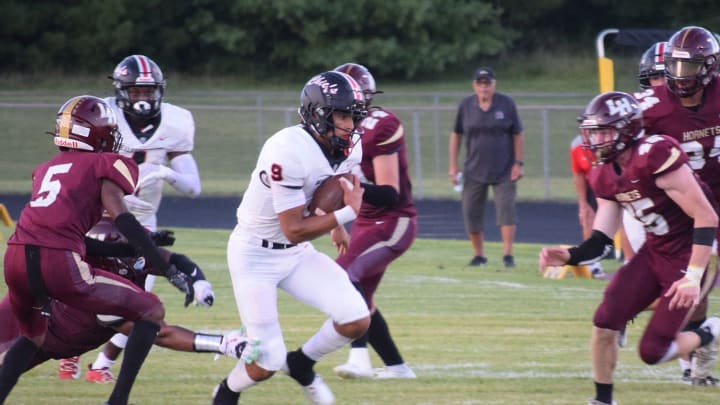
pixel 163 237
pixel 178 279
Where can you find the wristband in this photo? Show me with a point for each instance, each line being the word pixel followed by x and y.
pixel 344 215
pixel 693 275
pixel 704 235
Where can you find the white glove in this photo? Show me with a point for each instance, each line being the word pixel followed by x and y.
pixel 238 345
pixel 204 295
pixel 161 173
pixel 138 206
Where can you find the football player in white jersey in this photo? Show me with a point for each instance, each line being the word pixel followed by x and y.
pixel 269 249
pixel 160 137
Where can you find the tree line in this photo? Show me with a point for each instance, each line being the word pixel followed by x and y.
pixel 263 38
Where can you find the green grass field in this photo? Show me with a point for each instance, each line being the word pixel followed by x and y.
pixel 473 335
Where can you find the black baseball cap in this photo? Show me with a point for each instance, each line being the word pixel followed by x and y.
pixel 484 73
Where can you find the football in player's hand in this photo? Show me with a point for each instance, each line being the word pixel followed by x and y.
pixel 329 195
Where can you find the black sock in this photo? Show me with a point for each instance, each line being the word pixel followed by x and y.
pixel 301 367
pixel 139 342
pixel 17 359
pixel 705 336
pixel 224 395
pixel 360 342
pixel 380 339
pixel 603 392
pixel 693 325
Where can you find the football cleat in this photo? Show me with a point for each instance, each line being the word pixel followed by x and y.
pixel 99 375
pixel 706 356
pixel 318 392
pixel 596 402
pixel 686 376
pixel 394 372
pixel 350 370
pixel 69 369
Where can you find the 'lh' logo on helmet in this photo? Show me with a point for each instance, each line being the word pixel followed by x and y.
pixel 619 107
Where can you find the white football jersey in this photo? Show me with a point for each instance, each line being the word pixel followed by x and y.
pixel 176 133
pixel 290 159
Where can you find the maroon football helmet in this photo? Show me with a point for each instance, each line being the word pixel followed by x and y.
pixel 612 111
pixel 132 268
pixel 691 60
pixel 87 123
pixel 139 86
pixel 363 77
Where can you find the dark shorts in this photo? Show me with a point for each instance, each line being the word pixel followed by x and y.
pixel 474 199
pixel 73 282
pixel 373 246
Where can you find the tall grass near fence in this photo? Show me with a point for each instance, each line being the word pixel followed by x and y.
pixel 232 121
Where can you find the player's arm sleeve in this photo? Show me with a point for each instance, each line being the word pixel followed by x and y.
pixel 98 248
pixel 138 237
pixel 185 176
pixel 380 196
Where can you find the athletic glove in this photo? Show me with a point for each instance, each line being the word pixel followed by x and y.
pixel 161 173
pixel 163 237
pixel 203 294
pixel 178 279
pixel 138 206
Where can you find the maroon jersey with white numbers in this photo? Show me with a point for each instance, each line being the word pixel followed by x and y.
pixel 65 201
pixel 698 132
pixel 669 229
pixel 384 135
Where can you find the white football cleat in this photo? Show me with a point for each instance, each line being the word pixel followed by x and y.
pixel 350 370
pixel 397 371
pixel 706 356
pixel 318 392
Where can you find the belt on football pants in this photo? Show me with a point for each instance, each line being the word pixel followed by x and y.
pixel 275 245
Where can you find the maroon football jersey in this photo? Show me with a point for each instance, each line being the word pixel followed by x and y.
pixel 384 135
pixel 66 202
pixel 698 132
pixel 669 229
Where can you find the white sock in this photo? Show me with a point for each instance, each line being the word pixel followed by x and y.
pixel 684 364
pixel 102 362
pixel 360 356
pixel 239 380
pixel 324 341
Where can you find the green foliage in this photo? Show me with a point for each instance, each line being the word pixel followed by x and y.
pixel 405 38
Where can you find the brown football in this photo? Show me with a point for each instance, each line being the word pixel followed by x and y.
pixel 329 194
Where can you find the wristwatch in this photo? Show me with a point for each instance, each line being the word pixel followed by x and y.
pixel 519 162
